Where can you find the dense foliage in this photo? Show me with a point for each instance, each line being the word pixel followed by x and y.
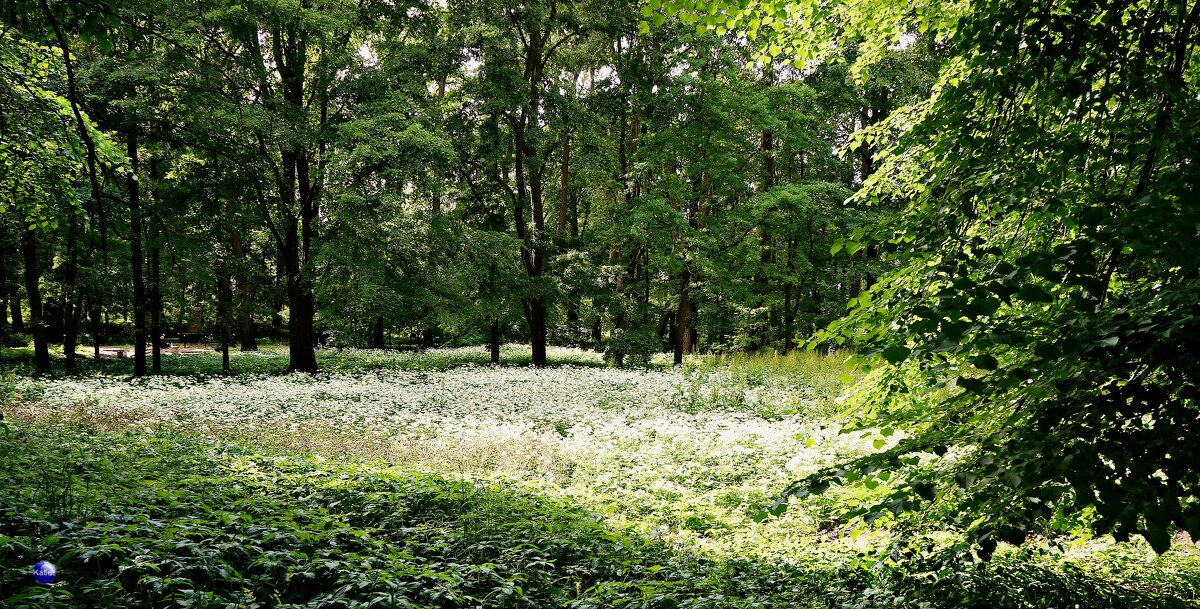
pixel 579 486
pixel 1040 302
pixel 380 174
pixel 1000 189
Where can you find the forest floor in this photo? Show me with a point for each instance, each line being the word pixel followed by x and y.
pixel 430 479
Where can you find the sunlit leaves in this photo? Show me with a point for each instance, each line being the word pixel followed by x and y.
pixel 1026 179
pixel 805 33
pixel 41 156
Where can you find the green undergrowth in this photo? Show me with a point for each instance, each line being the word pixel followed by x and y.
pixel 272 358
pixel 154 520
pixel 825 373
pixel 137 520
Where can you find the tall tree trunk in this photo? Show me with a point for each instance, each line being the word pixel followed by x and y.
pixel 237 247
pixel 94 315
pixel 137 260
pixel 791 291
pixel 3 293
pixel 277 305
pixel 41 350
pixel 865 154
pixel 684 322
pixel 156 305
pixel 156 309
pixel 672 332
pixel 225 348
pixel 494 341
pixel 377 333
pixel 14 305
pixel 302 356
pixel 759 327
pixel 70 294
pixel 530 192
pixel 224 307
pixel 301 192
pixel 246 339
pixel 77 320
pixel 564 192
pixel 573 313
pixel 789 319
pixel 537 329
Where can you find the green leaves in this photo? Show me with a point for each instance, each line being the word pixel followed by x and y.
pixel 1031 292
pixel 985 361
pixel 42 160
pixel 1019 275
pixel 896 353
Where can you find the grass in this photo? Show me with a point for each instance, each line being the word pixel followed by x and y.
pixel 136 520
pixel 272 358
pixel 428 480
pixel 824 373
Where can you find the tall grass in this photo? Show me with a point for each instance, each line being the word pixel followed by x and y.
pixel 827 374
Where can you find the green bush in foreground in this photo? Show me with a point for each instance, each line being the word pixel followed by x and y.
pixel 136 521
pixel 140 520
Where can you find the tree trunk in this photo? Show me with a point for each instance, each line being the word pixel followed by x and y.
pixel 302 355
pixel 789 319
pixel 494 341
pixel 296 229
pixel 156 305
pixel 564 197
pixel 684 331
pixel 41 350
pixel 529 192
pixel 377 334
pixel 3 295
pixel 224 306
pixel 537 330
pixel 14 304
pixel 94 315
pixel 156 310
pixel 246 340
pixel 759 327
pixel 237 247
pixel 136 259
pixel 70 277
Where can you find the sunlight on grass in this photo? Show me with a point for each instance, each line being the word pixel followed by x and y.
pixel 680 456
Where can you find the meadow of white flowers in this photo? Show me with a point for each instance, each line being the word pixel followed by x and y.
pixel 685 455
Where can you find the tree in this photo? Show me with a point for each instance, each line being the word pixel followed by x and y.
pixel 519 52
pixel 1044 258
pixel 44 154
